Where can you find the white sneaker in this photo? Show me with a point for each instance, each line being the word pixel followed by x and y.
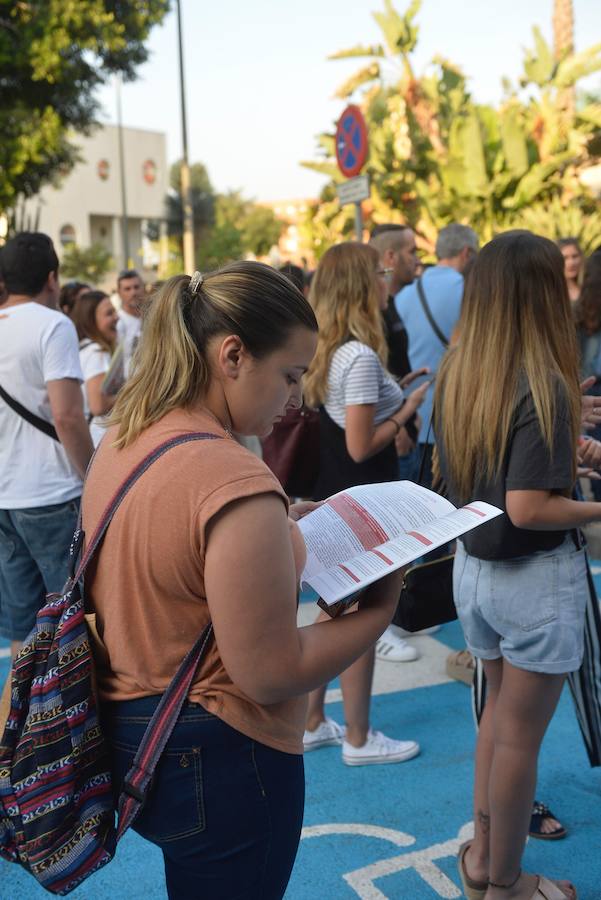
pixel 326 734
pixel 402 632
pixel 378 750
pixel 393 648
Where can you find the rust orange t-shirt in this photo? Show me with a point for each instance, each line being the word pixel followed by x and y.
pixel 146 583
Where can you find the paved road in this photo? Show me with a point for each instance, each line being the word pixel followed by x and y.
pixel 392 831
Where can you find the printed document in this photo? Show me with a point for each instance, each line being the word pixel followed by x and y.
pixel 359 535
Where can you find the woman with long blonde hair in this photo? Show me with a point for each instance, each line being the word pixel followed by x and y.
pixel 361 411
pixel 507 417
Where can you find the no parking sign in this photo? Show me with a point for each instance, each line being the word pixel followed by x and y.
pixel 351 141
pixel 351 155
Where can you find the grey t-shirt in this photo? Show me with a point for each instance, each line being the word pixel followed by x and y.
pixel 528 465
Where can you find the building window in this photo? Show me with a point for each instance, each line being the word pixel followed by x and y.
pixel 67 235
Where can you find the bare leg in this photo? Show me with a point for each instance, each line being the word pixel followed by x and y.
pixel 316 708
pixel 15 646
pixel 522 711
pixel 477 857
pixel 316 713
pixel 356 684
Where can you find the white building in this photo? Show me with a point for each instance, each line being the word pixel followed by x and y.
pixel 87 206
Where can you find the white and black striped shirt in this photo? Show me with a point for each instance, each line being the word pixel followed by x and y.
pixel 356 377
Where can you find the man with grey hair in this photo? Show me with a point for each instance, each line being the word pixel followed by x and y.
pixel 430 309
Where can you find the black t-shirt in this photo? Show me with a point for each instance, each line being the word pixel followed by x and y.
pixel 529 465
pixel 397 340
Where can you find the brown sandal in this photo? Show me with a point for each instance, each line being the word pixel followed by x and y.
pixel 473 890
pixel 546 890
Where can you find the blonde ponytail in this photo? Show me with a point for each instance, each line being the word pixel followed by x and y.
pixel 171 369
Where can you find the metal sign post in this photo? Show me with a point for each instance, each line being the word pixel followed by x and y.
pixel 351 154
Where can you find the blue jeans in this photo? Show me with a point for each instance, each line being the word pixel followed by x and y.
pixel 34 553
pixel 529 610
pixel 225 810
pixel 409 465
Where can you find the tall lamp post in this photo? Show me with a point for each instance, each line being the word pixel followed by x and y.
pixel 124 225
pixel 188 219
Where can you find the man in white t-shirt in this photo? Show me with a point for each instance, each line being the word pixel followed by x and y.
pixel 46 444
pixel 130 288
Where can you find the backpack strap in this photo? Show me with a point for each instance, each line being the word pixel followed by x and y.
pixel 33 419
pixel 129 482
pixel 138 780
pixel 422 299
pixel 160 727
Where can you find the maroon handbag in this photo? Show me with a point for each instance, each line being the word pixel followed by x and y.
pixel 292 451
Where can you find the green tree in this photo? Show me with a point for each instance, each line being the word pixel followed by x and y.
pixel 88 264
pixel 260 230
pixel 242 227
pixel 203 201
pixel 438 156
pixel 223 245
pixel 54 54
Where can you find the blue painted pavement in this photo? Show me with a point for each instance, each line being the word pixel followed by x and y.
pixel 380 832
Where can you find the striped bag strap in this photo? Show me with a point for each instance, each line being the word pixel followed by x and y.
pixel 125 487
pixel 137 781
pixel 167 712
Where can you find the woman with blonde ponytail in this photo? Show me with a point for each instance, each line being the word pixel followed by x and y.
pixel 207 536
pixel 507 419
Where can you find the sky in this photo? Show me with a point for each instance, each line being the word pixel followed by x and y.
pixel 259 87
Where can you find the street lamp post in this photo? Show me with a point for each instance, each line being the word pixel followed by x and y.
pixel 124 225
pixel 188 219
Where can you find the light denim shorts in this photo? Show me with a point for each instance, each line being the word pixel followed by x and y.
pixel 528 610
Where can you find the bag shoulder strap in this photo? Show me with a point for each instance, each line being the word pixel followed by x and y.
pixel 160 727
pixel 138 780
pixel 37 422
pixel 422 299
pixel 126 486
pixel 422 464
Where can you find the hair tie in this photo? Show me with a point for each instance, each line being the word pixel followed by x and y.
pixel 195 283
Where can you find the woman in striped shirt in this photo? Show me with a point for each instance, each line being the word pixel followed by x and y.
pixel 362 410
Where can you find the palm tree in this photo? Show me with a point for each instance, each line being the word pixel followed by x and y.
pixel 563 45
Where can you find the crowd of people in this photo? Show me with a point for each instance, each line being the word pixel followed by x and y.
pixel 466 376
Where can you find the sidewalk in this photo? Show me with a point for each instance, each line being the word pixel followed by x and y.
pixel 392 831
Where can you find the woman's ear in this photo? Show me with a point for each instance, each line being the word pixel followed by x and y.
pixel 230 356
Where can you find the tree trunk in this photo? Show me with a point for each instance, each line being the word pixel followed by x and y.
pixel 563 41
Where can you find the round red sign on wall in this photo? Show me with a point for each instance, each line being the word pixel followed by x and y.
pixel 149 171
pixel 351 141
pixel 103 168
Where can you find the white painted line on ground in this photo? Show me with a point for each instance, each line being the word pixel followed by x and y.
pixel 422 862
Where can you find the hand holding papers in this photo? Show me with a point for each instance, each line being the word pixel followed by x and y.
pixel 361 534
